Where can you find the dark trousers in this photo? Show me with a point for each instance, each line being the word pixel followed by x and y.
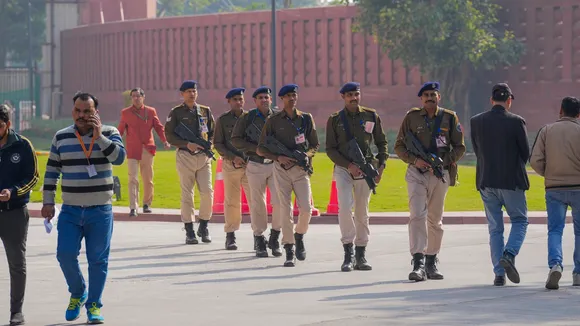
pixel 14 232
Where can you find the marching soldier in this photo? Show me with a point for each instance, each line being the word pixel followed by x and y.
pixel 363 125
pixel 296 131
pixel 193 164
pixel 440 133
pixel 234 165
pixel 259 173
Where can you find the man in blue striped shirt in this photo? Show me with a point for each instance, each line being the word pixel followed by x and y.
pixel 84 154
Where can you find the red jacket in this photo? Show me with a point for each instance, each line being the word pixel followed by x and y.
pixel 138 123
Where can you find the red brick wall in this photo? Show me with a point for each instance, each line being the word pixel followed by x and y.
pixel 315 49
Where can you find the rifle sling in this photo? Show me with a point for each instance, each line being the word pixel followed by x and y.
pixel 435 131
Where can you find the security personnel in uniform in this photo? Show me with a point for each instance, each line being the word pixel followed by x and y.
pixel 234 165
pixel 296 131
pixel 440 133
pixel 363 124
pixel 193 165
pixel 18 175
pixel 260 174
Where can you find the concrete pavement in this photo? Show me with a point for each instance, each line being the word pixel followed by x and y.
pixel 156 280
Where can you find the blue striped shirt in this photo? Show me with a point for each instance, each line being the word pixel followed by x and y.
pixel 67 161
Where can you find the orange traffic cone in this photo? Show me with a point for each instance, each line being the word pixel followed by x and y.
pixel 315 211
pixel 268 201
pixel 245 206
pixel 218 191
pixel 332 207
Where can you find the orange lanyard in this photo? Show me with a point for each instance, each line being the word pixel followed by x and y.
pixel 87 153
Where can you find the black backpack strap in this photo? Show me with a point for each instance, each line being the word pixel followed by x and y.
pixel 435 132
pixel 342 115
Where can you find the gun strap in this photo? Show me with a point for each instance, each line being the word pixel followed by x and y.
pixel 435 131
pixel 342 115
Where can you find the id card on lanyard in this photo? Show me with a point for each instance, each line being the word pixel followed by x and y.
pixel 90 167
pixel 300 138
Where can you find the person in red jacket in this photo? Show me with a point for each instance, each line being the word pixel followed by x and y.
pixel 138 120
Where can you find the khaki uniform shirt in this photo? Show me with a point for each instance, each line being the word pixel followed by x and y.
pixel 286 129
pixel 198 119
pixel 223 134
pixel 239 138
pixel 450 134
pixel 337 139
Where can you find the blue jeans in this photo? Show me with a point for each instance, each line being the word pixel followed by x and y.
pixel 515 205
pixel 557 202
pixel 95 224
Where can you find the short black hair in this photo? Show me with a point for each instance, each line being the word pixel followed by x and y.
pixel 570 106
pixel 500 96
pixel 4 113
pixel 84 96
pixel 137 89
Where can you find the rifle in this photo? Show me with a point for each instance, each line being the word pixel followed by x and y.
pixel 276 147
pixel 236 152
pixel 254 133
pixel 185 133
pixel 356 156
pixel 415 146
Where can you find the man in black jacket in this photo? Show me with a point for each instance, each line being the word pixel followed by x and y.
pixel 18 175
pixel 500 142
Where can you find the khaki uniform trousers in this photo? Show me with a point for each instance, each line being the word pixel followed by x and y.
pixel 233 179
pixel 193 169
pixel 259 176
pixel 352 193
pixel 286 181
pixel 426 202
pixel 146 167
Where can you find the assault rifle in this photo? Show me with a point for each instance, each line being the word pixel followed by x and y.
pixel 253 132
pixel 276 147
pixel 356 157
pixel 236 152
pixel 435 162
pixel 185 133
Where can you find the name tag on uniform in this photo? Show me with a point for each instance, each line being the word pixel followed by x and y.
pixel 203 124
pixel 441 142
pixel 91 170
pixel 369 126
pixel 300 139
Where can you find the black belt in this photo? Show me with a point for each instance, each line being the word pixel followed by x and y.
pixel 260 160
pixel 6 206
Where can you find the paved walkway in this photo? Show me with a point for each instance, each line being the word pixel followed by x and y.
pixel 391 218
pixel 156 280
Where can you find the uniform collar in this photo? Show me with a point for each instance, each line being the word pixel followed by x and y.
pixel 358 110
pixel 424 112
pixel 297 112
pixel 498 107
pixel 231 112
pixel 571 119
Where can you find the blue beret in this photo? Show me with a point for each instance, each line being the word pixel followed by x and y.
pixel 290 88
pixel 350 87
pixel 429 86
pixel 235 91
pixel 188 84
pixel 262 90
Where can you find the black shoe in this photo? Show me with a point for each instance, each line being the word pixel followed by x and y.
pixel 499 280
pixel 146 209
pixel 431 267
pixel 300 250
pixel 16 319
pixel 347 264
pixel 133 213
pixel 189 234
pixel 418 274
pixel 260 242
pixel 274 244
pixel 231 241
pixel 290 261
pixel 360 259
pixel 203 232
pixel 508 262
pixel 255 243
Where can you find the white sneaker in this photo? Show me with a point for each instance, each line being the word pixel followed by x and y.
pixel 575 279
pixel 554 277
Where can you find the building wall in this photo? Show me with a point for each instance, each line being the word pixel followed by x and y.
pixel 315 49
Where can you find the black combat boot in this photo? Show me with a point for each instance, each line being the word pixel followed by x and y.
pixel 360 260
pixel 418 273
pixel 190 234
pixel 300 250
pixel 290 261
pixel 347 264
pixel 431 267
pixel 203 232
pixel 274 244
pixel 260 242
pixel 231 241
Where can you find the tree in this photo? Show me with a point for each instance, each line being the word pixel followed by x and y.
pixel 453 41
pixel 14 30
pixel 189 7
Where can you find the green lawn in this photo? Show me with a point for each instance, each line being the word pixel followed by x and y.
pixel 391 193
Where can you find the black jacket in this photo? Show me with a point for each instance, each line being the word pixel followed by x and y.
pixel 18 169
pixel 500 142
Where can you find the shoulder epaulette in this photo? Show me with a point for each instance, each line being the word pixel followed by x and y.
pixel 368 109
pixel 275 113
pixel 448 111
pixel 335 114
pixel 204 107
pixel 177 107
pixel 414 110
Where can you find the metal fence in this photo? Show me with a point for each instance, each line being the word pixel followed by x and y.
pixel 15 91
